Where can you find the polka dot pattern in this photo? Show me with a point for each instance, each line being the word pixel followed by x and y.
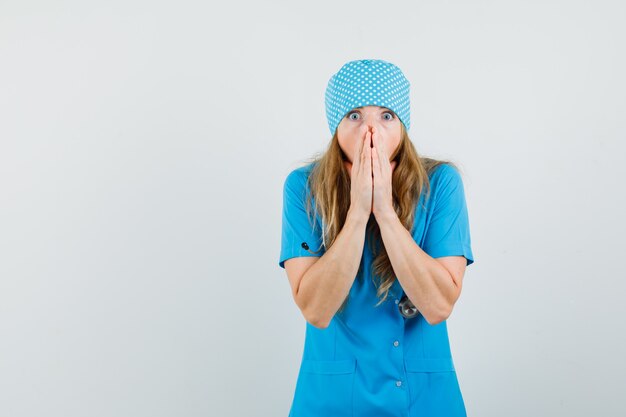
pixel 367 82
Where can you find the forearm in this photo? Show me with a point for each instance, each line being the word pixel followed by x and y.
pixel 326 283
pixel 424 280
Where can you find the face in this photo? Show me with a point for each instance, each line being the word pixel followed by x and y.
pixel 359 120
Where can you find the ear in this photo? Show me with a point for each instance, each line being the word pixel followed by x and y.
pixel 393 165
pixel 348 166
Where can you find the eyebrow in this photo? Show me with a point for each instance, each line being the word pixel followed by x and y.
pixel 382 108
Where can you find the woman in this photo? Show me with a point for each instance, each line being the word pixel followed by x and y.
pixel 374 295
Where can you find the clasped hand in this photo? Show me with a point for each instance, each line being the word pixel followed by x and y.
pixel 370 176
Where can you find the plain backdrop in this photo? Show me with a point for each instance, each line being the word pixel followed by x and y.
pixel 143 150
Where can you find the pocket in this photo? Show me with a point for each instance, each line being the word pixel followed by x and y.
pixel 325 388
pixel 433 388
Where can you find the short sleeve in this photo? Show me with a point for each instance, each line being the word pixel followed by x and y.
pixel 448 231
pixel 297 226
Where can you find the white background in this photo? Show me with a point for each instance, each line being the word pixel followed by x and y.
pixel 143 149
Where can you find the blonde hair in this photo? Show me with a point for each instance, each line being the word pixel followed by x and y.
pixel 329 183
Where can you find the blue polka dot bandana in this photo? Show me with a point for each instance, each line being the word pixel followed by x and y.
pixel 367 82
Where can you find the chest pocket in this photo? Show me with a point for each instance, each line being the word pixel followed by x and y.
pixel 434 388
pixel 324 388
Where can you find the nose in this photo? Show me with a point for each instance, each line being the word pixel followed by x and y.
pixel 371 125
pixel 370 122
pixel 366 127
pixel 372 119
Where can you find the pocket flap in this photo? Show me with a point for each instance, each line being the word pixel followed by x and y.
pixel 343 366
pixel 429 364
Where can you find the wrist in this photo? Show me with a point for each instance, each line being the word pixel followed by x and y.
pixel 386 216
pixel 358 218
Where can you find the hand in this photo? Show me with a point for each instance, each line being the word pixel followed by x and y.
pixel 361 183
pixel 382 171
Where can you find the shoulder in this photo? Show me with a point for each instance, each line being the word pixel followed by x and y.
pixel 298 177
pixel 445 182
pixel 444 174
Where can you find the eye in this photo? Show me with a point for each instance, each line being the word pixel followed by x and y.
pixel 350 115
pixel 391 114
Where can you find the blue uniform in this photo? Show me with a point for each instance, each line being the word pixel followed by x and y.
pixel 371 361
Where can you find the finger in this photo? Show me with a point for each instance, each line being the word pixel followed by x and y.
pixel 367 162
pixel 378 155
pixel 362 154
pixel 382 151
pixel 376 165
pixel 382 168
pixel 356 158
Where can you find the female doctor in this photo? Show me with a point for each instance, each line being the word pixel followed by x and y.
pixel 375 242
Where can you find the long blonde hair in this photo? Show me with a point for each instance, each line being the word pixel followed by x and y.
pixel 329 183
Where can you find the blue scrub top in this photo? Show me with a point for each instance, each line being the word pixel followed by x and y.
pixel 371 361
